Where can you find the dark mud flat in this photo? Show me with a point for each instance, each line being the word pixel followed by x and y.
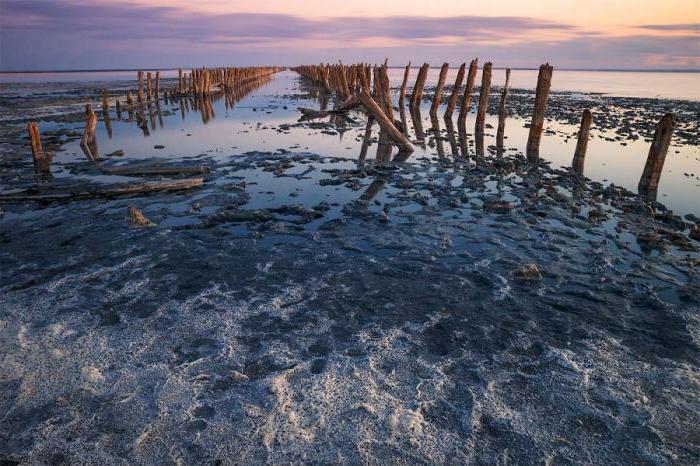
pixel 306 307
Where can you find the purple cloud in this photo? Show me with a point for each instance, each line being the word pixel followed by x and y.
pixel 50 34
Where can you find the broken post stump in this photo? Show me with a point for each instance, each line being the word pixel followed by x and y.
pixel 483 97
pixel 649 182
pixel 387 125
pixel 544 82
pixel 42 160
pixel 437 98
pixel 582 143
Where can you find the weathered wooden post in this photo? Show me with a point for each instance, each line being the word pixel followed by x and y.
pixel 149 86
pixel 502 112
pixel 42 160
pixel 437 98
pixel 464 106
pixel 105 113
pixel 649 182
pixel 118 106
pixel 544 82
pixel 402 94
pixel 140 78
pixel 157 85
pixel 483 97
pixel 386 92
pixel 455 92
pixel 179 80
pixel 582 143
pixel 88 141
pixel 417 95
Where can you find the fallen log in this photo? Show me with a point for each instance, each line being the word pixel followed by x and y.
pixel 106 191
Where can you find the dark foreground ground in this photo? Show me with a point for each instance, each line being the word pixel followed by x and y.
pixel 306 308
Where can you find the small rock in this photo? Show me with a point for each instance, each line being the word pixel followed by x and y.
pixel 159 146
pixel 528 272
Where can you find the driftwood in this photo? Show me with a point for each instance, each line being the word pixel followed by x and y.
pixel 156 170
pixel 544 81
pixel 582 144
pixel 106 191
pixel 649 182
pixel 385 123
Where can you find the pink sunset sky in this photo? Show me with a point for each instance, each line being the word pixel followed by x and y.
pixel 101 34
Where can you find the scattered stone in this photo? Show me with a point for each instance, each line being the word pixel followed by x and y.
pixel 136 218
pixel 529 272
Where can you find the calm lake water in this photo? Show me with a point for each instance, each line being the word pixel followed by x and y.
pixel 663 85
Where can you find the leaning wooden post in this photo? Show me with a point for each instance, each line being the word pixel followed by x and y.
pixel 649 182
pixel 544 82
pixel 140 94
pixel 471 77
pixel 438 90
pixel 386 92
pixel 582 144
pixel 402 94
pixel 157 85
pixel 502 111
pixel 42 161
pixel 386 124
pixel 455 92
pixel 483 97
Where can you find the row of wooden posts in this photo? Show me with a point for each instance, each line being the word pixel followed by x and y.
pixel 201 85
pixel 353 85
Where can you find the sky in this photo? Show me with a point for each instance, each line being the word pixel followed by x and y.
pixel 128 34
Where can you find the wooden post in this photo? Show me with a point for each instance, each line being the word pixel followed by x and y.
pixel 438 90
pixel 179 80
pixel 455 91
pixel 502 111
pixel 544 82
pixel 483 97
pixel 386 92
pixel 42 160
pixel 149 81
pixel 402 94
pixel 140 78
pixel 417 95
pixel 471 77
pixel 129 99
pixel 89 142
pixel 386 124
pixel 157 85
pixel 105 102
pixel 649 182
pixel 582 144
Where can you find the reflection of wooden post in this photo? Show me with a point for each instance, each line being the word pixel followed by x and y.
pixel 483 97
pixel 582 144
pixel 464 106
pixel 402 94
pixel 502 111
pixel 649 182
pixel 544 82
pixel 42 160
pixel 455 92
pixel 386 124
pixel 140 94
pixel 438 90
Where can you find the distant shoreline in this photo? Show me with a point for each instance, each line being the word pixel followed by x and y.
pixel 606 70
